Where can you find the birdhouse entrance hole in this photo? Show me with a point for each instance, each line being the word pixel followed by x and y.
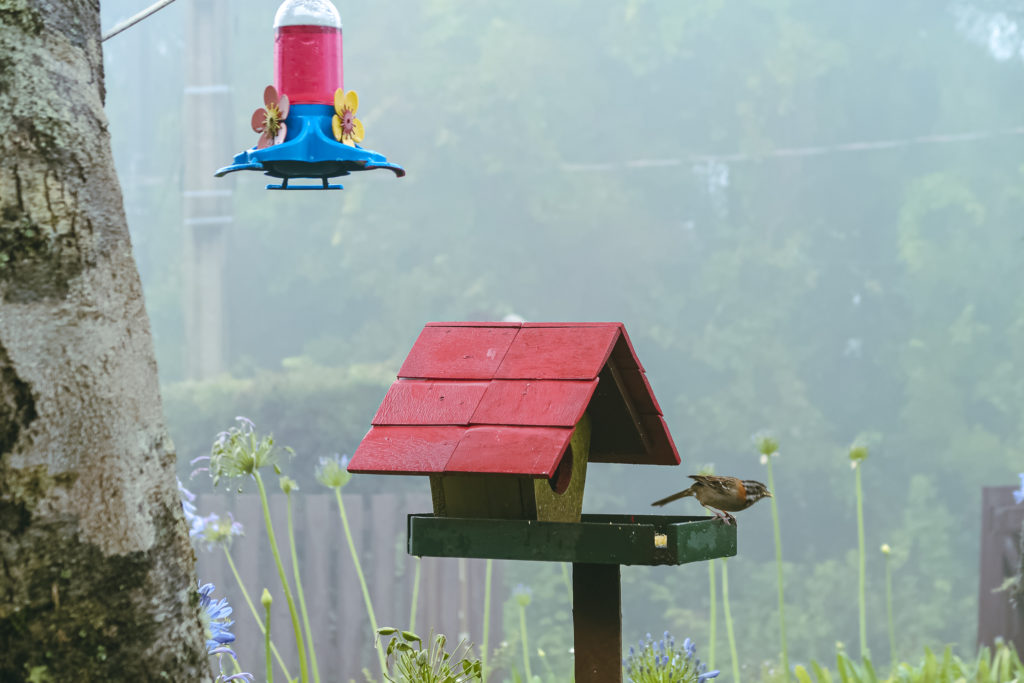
pixel 559 483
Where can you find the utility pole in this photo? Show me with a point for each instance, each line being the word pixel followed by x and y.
pixel 208 209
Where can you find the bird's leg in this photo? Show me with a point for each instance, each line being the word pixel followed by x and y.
pixel 729 519
pixel 718 514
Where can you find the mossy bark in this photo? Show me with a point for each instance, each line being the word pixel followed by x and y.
pixel 97 577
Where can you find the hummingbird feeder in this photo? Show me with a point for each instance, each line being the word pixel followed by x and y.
pixel 308 126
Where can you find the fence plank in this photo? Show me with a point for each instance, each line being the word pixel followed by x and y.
pixel 382 534
pixel 353 616
pixel 316 571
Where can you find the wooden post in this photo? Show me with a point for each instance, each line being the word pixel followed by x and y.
pixel 208 206
pixel 1001 520
pixel 597 622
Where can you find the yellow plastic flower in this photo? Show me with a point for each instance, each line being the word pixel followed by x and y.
pixel 347 128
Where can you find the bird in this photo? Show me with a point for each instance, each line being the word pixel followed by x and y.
pixel 722 494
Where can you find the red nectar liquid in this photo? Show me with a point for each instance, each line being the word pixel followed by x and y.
pixel 308 63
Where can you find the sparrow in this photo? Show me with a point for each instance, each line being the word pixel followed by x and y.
pixel 722 494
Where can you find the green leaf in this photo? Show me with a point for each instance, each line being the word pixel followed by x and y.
pixel 821 673
pixel 801 674
pixel 931 665
pixel 869 671
pixel 946 668
pixel 847 673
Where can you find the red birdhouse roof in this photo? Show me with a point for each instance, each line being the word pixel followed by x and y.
pixel 503 398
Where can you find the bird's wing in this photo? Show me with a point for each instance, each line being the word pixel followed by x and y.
pixel 715 483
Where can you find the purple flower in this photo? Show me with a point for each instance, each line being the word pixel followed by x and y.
pixel 216 619
pixel 186 503
pixel 201 458
pixel 659 660
pixel 1018 495
pixel 213 530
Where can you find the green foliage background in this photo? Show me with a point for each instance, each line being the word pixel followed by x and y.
pixel 816 295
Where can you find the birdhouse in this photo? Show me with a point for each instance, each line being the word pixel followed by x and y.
pixel 504 418
pixel 308 126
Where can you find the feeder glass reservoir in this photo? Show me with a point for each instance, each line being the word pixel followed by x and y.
pixel 307 51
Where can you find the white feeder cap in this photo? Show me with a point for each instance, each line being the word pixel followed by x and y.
pixel 307 13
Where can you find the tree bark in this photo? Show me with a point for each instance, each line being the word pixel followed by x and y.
pixel 97 577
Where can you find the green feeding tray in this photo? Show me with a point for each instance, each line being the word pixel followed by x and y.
pixel 595 539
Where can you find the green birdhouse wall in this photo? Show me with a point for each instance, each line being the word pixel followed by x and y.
pixel 505 418
pixel 558 498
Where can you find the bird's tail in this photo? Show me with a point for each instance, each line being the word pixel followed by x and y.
pixel 674 496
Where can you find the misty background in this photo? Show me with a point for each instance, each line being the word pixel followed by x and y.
pixel 807 214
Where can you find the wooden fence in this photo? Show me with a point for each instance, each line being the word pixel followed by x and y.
pixel 1001 521
pixel 451 592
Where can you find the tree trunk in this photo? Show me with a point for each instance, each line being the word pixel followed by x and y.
pixel 97 577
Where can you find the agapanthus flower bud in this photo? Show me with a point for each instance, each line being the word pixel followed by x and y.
pixel 332 472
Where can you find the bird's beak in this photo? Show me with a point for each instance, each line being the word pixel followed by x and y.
pixel 769 494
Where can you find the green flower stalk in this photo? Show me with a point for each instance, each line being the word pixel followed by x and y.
pixel 300 644
pixel 487 617
pixel 708 469
pixel 713 626
pixel 333 473
pixel 769 449
pixel 857 456
pixel 255 615
pixel 266 600
pixel 728 622
pixel 887 553
pixel 523 595
pixel 287 486
pixel 415 596
pixel 240 452
pixel 547 667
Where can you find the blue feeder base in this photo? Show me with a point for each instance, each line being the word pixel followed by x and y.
pixel 309 151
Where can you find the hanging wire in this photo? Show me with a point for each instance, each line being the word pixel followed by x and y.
pixel 790 152
pixel 131 21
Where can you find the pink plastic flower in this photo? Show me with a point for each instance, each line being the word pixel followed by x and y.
pixel 269 122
